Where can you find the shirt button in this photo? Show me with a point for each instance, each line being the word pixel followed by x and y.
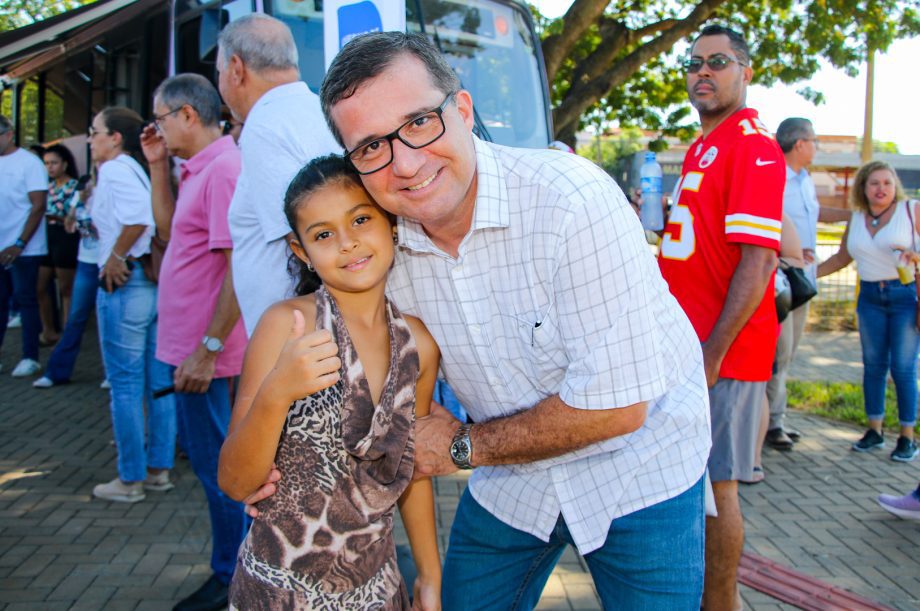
pixel 493 381
pixel 475 329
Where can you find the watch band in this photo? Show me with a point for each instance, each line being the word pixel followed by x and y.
pixel 19 243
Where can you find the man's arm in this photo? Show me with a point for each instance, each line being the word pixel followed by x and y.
pixel 745 292
pixel 833 215
pixel 12 252
pixel 195 373
pixel 161 194
pixel 549 429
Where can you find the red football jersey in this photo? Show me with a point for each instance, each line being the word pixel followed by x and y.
pixel 730 193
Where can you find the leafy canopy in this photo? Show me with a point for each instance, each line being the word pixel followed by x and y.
pixel 620 59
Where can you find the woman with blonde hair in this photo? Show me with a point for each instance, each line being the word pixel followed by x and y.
pixel 882 237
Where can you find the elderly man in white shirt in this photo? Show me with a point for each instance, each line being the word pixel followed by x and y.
pixel 796 137
pixel 284 128
pixel 583 375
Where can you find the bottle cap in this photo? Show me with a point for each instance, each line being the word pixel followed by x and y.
pixel 650 156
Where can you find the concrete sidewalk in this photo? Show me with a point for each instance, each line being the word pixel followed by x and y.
pixel 61 549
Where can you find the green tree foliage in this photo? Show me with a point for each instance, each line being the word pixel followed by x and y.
pixel 17 13
pixel 620 59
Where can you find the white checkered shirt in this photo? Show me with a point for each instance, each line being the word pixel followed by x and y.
pixel 555 291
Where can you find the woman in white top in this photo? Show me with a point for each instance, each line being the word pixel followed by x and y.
pixel 126 309
pixel 882 236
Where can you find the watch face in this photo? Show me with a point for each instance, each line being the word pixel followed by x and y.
pixel 459 451
pixel 213 344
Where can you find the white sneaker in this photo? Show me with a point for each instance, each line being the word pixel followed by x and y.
pixel 105 385
pixel 158 481
pixel 43 382
pixel 15 322
pixel 26 368
pixel 120 492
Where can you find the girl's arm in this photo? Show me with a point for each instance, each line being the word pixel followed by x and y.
pixel 283 363
pixel 416 505
pixel 839 259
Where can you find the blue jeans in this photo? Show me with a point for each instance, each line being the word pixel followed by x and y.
pixel 83 300
pixel 19 282
pixel 652 559
pixel 128 316
pixel 204 419
pixel 890 342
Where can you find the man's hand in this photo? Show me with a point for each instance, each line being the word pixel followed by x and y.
pixel 115 273
pixel 195 373
pixel 153 145
pixel 433 436
pixel 712 363
pixel 9 255
pixel 266 490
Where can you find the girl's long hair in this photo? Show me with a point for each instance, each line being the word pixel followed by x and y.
pixel 322 171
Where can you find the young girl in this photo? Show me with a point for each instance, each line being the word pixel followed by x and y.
pixel 324 540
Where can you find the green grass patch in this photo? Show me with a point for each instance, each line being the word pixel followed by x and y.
pixel 840 401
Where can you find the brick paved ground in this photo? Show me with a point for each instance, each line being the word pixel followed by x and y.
pixel 60 549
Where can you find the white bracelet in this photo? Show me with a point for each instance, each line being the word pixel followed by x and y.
pixel 119 257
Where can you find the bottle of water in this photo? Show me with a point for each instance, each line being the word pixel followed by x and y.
pixel 651 214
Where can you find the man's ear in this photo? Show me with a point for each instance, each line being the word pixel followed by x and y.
pixel 464 102
pixel 237 70
pixel 748 74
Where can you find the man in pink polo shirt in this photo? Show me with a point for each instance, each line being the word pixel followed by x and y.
pixel 200 332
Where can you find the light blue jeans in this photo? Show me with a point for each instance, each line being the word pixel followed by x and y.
pixel 652 559
pixel 128 316
pixel 890 342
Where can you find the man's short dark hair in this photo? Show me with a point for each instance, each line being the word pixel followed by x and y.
pixel 792 130
pixel 194 90
pixel 738 44
pixel 368 55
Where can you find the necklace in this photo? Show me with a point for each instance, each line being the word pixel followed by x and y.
pixel 876 217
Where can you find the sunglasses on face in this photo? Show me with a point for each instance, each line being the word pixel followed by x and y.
pixel 716 63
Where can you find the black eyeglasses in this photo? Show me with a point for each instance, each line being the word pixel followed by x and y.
pixel 716 63
pixel 415 133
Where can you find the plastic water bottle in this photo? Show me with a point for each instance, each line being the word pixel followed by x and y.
pixel 650 178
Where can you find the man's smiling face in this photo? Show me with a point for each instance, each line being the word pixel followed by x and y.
pixel 435 184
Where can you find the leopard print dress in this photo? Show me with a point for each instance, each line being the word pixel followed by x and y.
pixel 324 540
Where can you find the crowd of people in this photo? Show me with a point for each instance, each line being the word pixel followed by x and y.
pixel 280 307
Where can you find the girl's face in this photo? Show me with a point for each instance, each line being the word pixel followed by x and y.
pixel 345 236
pixel 55 165
pixel 880 188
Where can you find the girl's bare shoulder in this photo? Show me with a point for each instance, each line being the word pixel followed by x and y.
pixel 428 350
pixel 280 317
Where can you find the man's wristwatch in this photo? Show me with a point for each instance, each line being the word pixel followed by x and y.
pixel 212 344
pixel 461 448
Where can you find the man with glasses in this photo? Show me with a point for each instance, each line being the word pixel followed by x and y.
pixel 796 138
pixel 259 79
pixel 582 375
pixel 200 334
pixel 718 254
pixel 23 189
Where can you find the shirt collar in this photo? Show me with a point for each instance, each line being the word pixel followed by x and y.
pixel 490 210
pixel 200 160
pixel 790 173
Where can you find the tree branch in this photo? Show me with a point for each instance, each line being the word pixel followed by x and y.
pixel 583 93
pixel 576 21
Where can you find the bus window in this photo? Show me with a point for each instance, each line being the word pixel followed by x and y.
pixel 305 18
pixel 490 46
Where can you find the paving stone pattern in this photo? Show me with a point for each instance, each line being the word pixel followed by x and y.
pixel 61 549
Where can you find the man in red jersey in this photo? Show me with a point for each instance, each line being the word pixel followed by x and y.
pixel 718 255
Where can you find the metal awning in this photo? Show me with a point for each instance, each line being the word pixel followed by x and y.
pixel 27 51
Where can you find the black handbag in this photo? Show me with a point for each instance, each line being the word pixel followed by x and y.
pixel 802 288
